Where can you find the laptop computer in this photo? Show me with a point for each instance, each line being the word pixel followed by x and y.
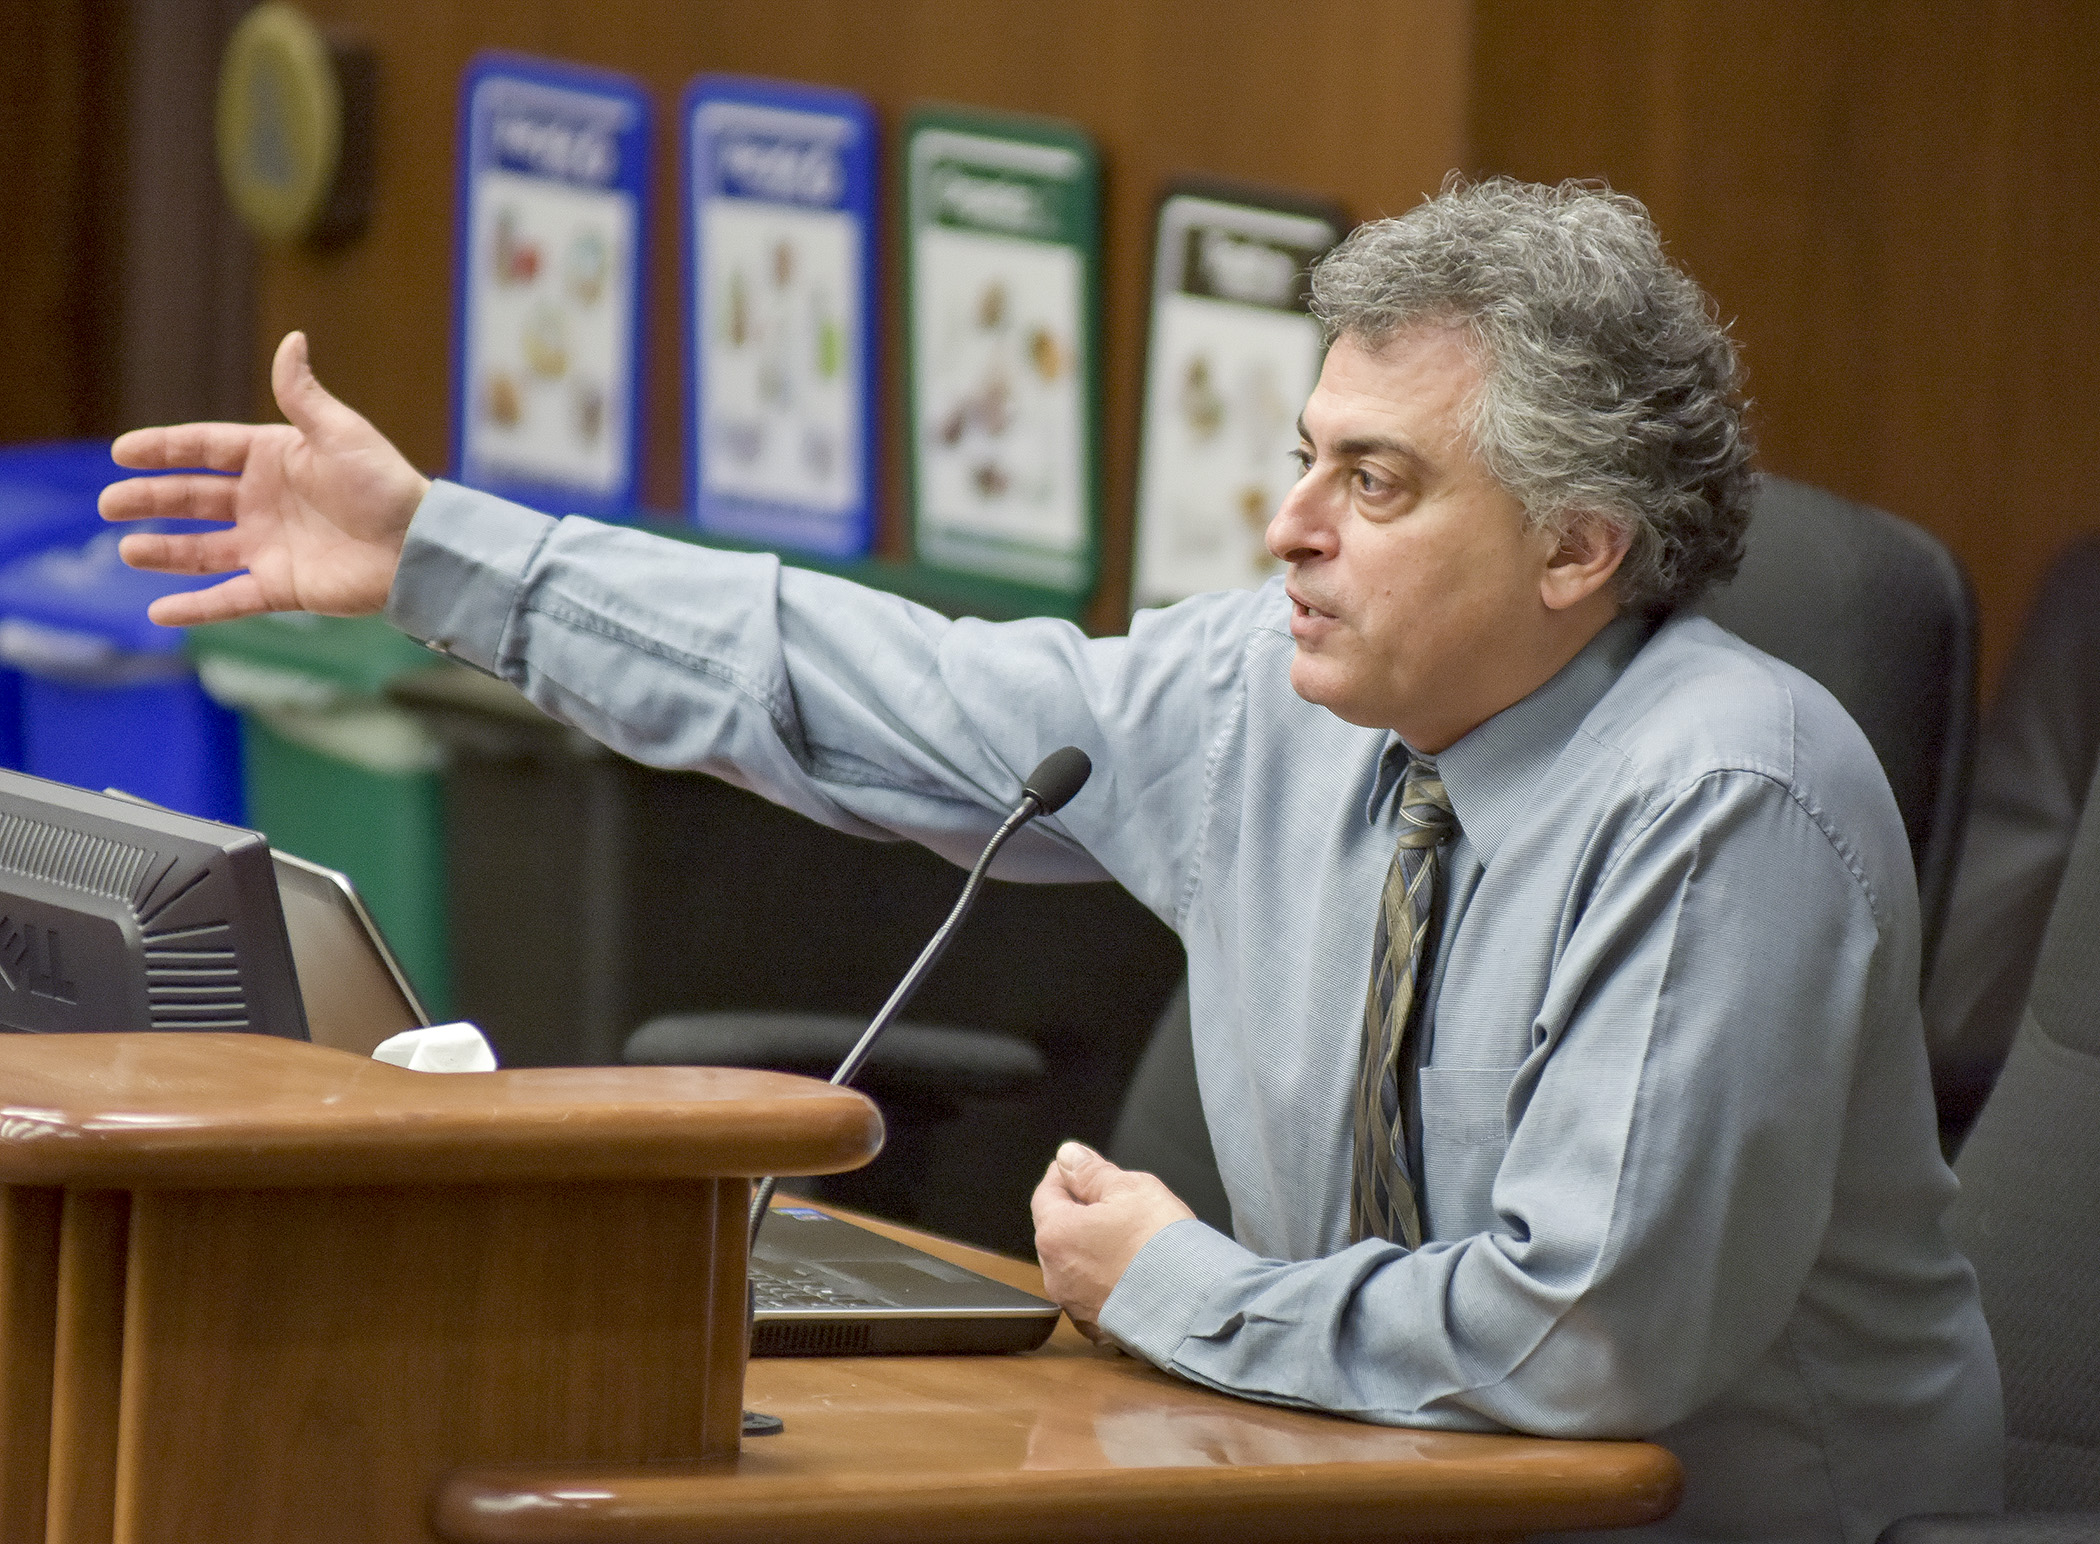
pixel 355 992
pixel 821 1286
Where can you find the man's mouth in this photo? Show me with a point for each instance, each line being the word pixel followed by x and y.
pixel 1307 619
pixel 1300 606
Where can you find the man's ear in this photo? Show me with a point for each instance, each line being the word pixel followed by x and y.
pixel 1586 554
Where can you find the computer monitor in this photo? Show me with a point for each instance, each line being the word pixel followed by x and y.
pixel 116 915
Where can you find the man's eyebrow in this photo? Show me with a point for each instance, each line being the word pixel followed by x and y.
pixel 1368 445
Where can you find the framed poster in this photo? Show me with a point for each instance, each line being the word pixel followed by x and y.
pixel 780 307
pixel 547 284
pixel 1003 247
pixel 1232 354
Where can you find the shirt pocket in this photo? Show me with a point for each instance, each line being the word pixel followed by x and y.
pixel 1464 1134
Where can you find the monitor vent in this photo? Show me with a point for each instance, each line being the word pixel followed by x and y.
pixel 777 1338
pixel 89 865
pixel 193 980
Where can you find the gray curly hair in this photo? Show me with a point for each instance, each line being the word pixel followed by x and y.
pixel 1611 390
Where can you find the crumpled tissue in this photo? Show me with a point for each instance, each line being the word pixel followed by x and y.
pixel 440 1048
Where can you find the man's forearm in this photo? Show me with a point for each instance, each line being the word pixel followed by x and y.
pixel 846 704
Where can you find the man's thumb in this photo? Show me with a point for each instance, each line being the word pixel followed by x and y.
pixel 301 397
pixel 1086 1171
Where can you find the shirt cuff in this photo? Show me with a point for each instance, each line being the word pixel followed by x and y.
pixel 462 564
pixel 1156 1302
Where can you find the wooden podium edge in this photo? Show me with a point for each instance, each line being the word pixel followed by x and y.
pixel 1618 1484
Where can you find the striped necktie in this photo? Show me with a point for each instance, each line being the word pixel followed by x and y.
pixel 1381 1192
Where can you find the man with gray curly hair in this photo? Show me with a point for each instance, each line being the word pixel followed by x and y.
pixel 1553 955
pixel 1607 388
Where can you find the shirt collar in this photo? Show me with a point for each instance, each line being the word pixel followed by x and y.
pixel 1490 775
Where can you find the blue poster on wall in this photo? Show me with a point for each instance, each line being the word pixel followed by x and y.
pixel 547 284
pixel 780 306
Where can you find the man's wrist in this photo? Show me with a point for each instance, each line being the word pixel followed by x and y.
pixel 462 561
pixel 1161 1293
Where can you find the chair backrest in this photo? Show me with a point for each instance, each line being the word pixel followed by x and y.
pixel 1881 614
pixel 2035 757
pixel 1162 1130
pixel 2029 1211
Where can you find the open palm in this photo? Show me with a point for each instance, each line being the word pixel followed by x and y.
pixel 316 515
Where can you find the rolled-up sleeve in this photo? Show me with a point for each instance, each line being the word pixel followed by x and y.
pixel 1673 1142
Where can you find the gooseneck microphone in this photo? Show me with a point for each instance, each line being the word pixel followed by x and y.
pixel 1046 790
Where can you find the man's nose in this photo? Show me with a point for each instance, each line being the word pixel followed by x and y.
pixel 1299 529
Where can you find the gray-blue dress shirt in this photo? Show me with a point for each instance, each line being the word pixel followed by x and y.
pixel 1679 1171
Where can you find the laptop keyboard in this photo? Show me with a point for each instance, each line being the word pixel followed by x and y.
pixel 775 1286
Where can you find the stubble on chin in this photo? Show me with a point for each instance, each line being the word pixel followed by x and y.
pixel 1307 677
pixel 1329 688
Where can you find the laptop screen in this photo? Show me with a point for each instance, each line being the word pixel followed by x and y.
pixel 355 995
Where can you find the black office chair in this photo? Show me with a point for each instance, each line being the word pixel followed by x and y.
pixel 1028 1031
pixel 2038 752
pixel 1881 614
pixel 1870 606
pixel 2027 1218
pixel 926 1078
pixel 1162 1130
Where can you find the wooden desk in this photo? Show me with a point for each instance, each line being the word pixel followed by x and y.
pixel 257 1290
pixel 1070 1442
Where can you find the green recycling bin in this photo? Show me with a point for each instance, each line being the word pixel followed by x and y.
pixel 336 774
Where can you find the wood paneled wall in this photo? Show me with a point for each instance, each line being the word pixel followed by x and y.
pixel 128 296
pixel 1361 100
pixel 62 125
pixel 1897 201
pixel 1899 204
pixel 187 342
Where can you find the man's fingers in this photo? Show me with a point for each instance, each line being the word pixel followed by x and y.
pixel 1051 1197
pixel 184 496
pixel 212 552
pixel 240 596
pixel 308 406
pixel 222 447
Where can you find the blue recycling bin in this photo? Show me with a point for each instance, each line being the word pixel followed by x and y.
pixel 47 499
pixel 109 700
pixel 75 466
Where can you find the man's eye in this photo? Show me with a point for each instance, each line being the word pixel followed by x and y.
pixel 1367 481
pixel 1304 458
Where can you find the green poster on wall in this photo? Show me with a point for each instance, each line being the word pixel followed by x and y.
pixel 1003 254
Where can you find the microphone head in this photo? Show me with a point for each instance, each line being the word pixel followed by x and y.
pixel 1061 774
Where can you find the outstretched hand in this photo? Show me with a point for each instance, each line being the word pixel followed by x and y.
pixel 1091 1219
pixel 316 516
